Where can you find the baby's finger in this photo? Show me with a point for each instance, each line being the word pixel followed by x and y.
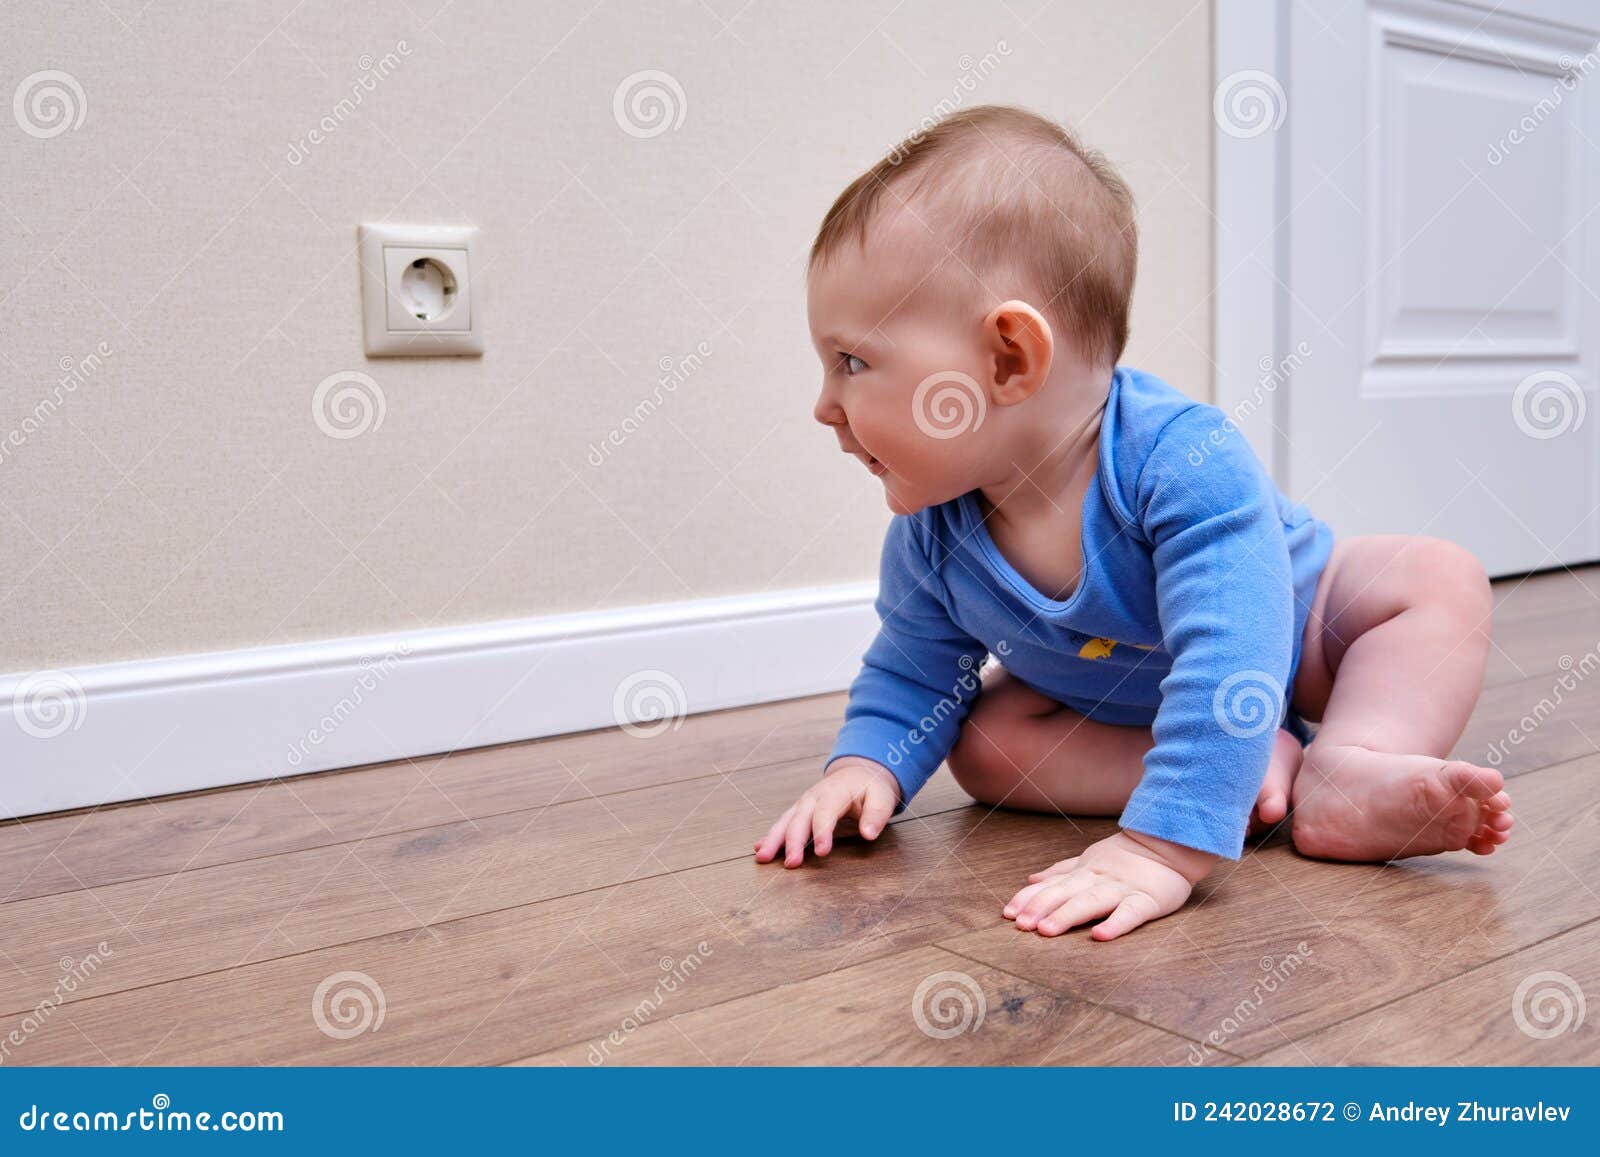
pixel 876 811
pixel 798 832
pixel 1134 910
pixel 1086 905
pixel 1051 895
pixel 1059 868
pixel 823 821
pixel 1024 894
pixel 767 846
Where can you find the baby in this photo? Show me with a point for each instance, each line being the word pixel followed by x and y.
pixel 1167 625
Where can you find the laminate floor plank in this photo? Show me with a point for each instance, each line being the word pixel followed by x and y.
pixel 920 1007
pixel 524 980
pixel 86 849
pixel 1527 1008
pixel 1562 589
pixel 1534 723
pixel 215 918
pixel 1546 645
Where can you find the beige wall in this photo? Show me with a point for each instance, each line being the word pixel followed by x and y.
pixel 182 498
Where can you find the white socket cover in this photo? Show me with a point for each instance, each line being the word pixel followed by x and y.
pixel 417 291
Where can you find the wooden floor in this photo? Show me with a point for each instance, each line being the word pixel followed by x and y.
pixel 592 899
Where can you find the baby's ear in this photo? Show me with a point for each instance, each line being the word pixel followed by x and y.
pixel 1021 348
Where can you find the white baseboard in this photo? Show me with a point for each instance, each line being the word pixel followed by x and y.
pixel 96 735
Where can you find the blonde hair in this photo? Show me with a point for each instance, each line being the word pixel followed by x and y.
pixel 1017 192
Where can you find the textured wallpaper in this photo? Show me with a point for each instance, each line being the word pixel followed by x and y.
pixel 180 186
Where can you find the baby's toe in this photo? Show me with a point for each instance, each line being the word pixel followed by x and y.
pixel 1272 807
pixel 1492 832
pixel 1474 782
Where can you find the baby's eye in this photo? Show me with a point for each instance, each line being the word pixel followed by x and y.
pixel 852 364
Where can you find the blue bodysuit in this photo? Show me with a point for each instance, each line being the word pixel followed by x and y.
pixel 1197 579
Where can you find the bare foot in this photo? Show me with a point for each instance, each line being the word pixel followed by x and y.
pixel 1352 803
pixel 1273 802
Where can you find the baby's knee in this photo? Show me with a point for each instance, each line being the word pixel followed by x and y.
pixel 980 764
pixel 1450 576
pixel 987 757
pixel 983 760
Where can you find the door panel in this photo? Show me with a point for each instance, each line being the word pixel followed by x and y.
pixel 1443 162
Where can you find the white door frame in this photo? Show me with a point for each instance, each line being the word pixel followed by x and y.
pixel 1250 152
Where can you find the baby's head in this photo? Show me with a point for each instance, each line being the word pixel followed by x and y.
pixel 981 265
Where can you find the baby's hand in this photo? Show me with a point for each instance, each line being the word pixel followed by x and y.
pixel 1129 878
pixel 854 789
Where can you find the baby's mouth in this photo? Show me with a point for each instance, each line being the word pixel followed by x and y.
pixel 874 467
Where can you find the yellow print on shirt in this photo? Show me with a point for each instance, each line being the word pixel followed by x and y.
pixel 1099 648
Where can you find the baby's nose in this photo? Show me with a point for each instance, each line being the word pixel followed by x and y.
pixel 827 410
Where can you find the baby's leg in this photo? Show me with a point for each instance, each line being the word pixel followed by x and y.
pixel 1021 749
pixel 1392 665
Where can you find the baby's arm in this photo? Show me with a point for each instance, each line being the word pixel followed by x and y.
pixel 1225 596
pixel 1224 593
pixel 916 684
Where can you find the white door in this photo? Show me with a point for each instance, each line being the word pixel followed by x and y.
pixel 1437 165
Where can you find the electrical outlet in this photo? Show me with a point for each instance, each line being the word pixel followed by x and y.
pixel 417 292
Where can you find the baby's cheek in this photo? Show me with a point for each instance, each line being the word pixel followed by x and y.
pixel 947 467
pixel 919 457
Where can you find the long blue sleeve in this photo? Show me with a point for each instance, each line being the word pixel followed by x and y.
pixel 920 674
pixel 1225 599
